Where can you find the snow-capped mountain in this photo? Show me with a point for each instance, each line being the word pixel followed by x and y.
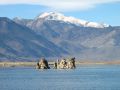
pixel 72 20
pixel 89 40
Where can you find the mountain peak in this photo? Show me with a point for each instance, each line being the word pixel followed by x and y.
pixel 47 14
pixel 60 17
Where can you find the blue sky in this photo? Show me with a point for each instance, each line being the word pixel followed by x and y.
pixel 103 12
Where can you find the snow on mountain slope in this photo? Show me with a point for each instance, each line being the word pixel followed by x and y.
pixel 78 22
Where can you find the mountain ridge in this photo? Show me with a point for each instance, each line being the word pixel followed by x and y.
pixel 69 19
pixel 20 42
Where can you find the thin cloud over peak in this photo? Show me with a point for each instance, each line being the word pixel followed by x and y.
pixel 61 5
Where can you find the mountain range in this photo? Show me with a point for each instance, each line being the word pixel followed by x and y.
pixel 52 34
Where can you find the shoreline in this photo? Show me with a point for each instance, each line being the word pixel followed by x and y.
pixel 33 64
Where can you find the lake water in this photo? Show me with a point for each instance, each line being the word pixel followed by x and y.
pixel 101 77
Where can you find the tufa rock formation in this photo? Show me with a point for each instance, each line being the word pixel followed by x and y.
pixel 62 64
pixel 69 64
pixel 43 64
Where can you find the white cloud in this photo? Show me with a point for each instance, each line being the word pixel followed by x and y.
pixel 61 4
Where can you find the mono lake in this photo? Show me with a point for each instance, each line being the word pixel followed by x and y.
pixel 84 77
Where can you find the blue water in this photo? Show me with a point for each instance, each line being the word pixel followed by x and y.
pixel 102 77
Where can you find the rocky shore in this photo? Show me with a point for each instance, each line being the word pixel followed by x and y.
pixel 33 64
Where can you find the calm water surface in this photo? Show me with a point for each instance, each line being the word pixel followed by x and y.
pixel 102 77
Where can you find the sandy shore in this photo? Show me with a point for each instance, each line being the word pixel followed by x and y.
pixel 25 64
pixel 33 64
